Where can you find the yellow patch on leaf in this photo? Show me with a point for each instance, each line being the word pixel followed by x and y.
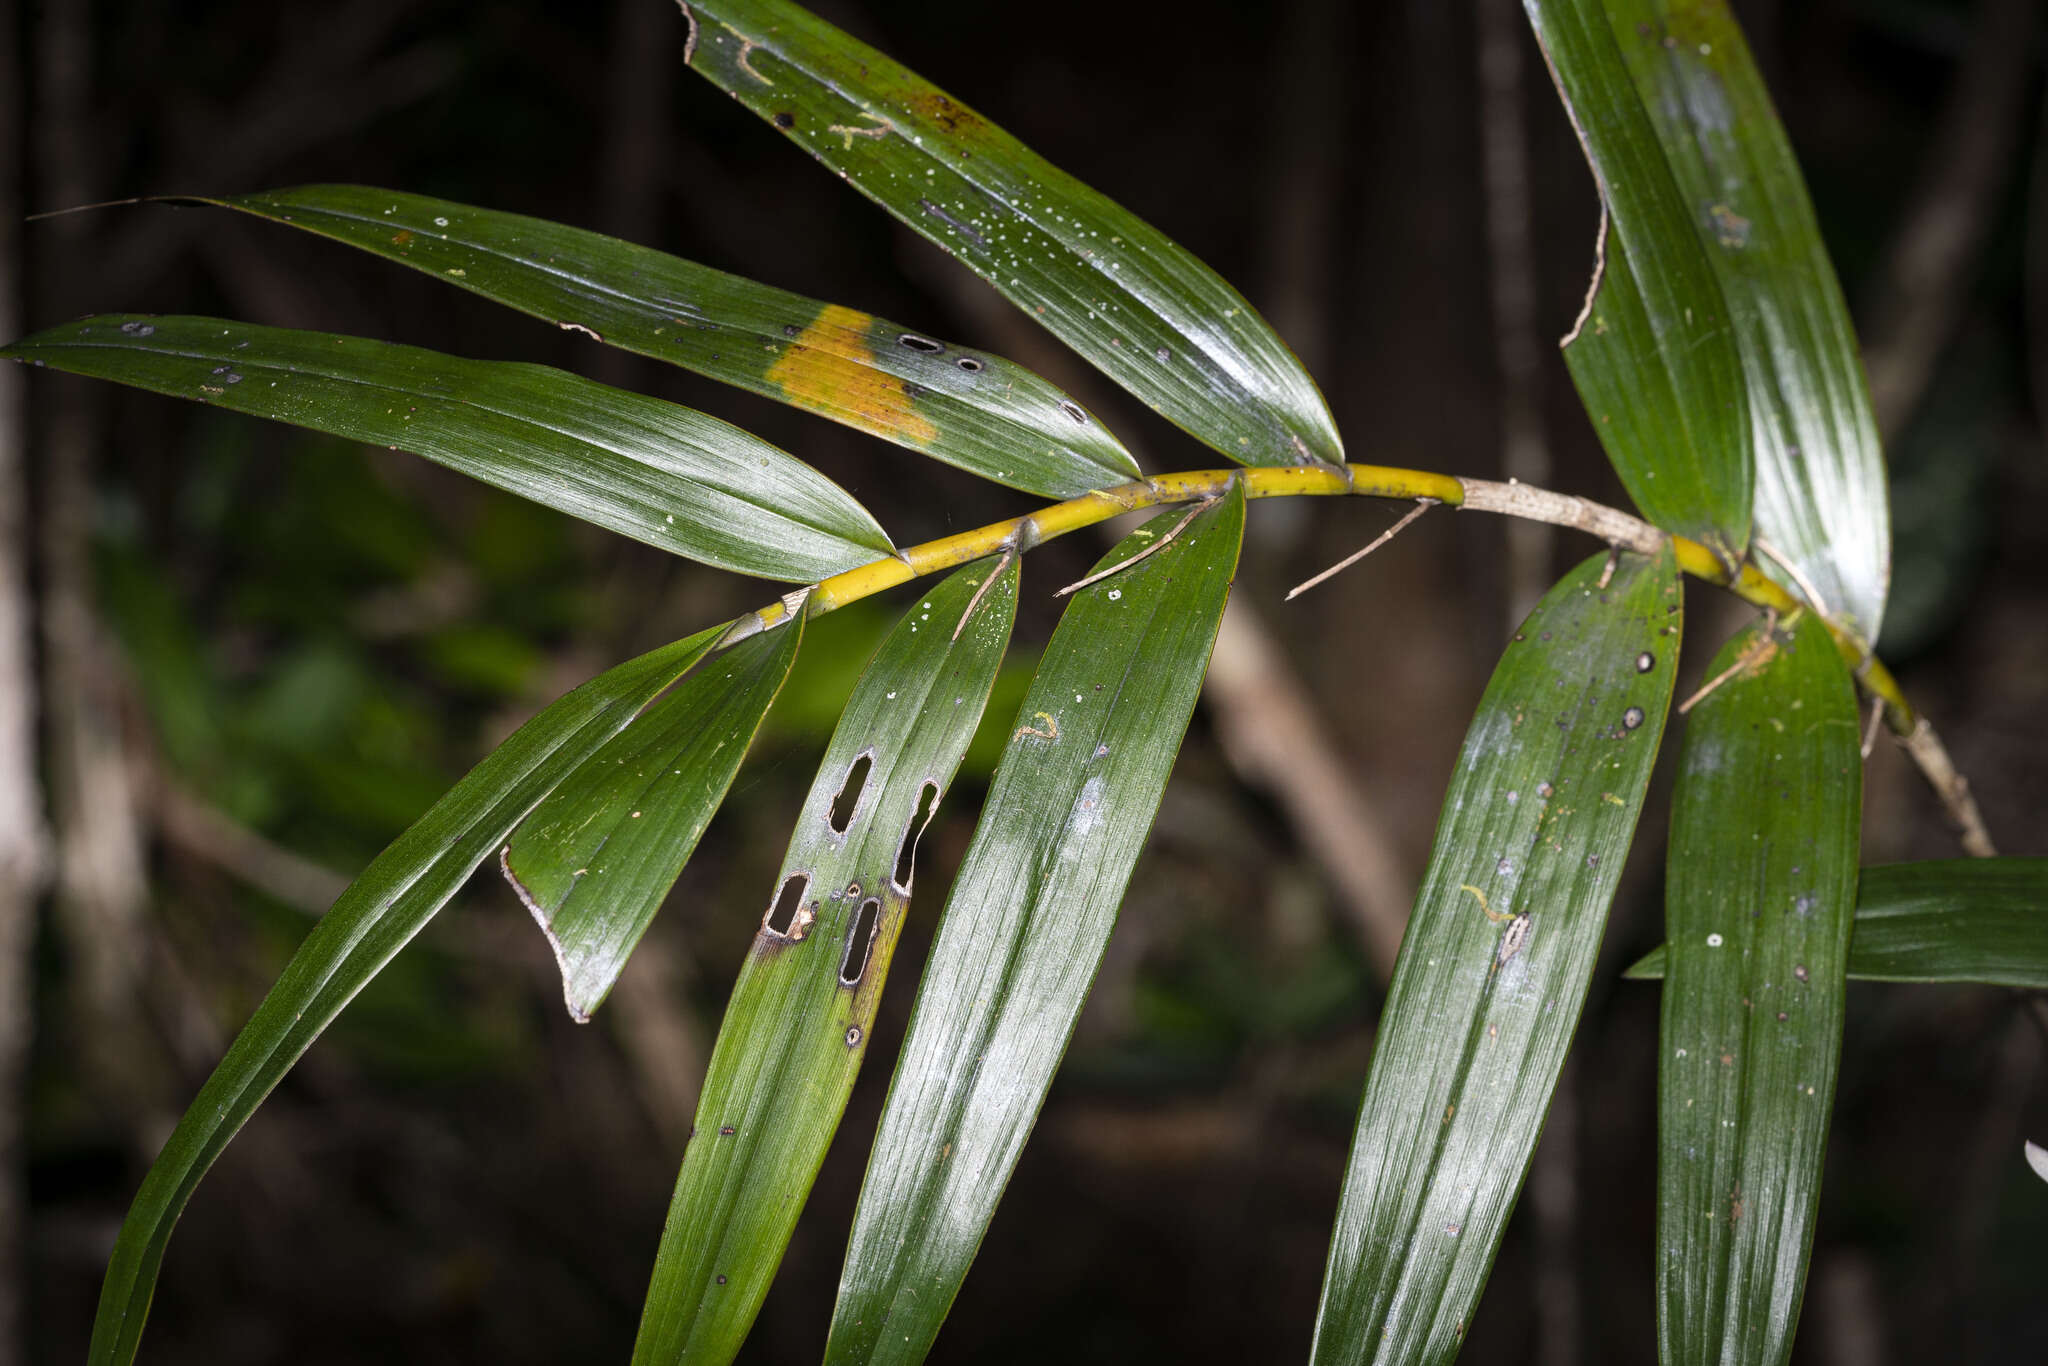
pixel 830 369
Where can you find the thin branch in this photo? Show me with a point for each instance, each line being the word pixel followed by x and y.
pixel 1153 549
pixel 1931 757
pixel 979 592
pixel 1799 580
pixel 1612 525
pixel 1712 685
pixel 1421 506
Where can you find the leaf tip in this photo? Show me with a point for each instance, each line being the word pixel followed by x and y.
pixel 579 1011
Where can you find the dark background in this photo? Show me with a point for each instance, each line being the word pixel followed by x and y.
pixel 260 654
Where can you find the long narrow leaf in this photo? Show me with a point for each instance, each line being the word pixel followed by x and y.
pixel 1499 951
pixel 1820 480
pixel 1760 891
pixel 1948 920
pixel 797 1026
pixel 651 470
pixel 1105 282
pixel 594 861
pixel 376 917
pixel 1653 354
pixel 1030 913
pixel 956 404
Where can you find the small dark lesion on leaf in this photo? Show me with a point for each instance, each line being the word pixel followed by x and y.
pixel 783 119
pixel 940 109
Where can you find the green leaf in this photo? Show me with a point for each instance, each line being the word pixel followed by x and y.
pixel 379 913
pixel 798 1023
pixel 953 403
pixel 1025 927
pixel 1759 895
pixel 1494 967
pixel 1820 479
pixel 594 861
pixel 651 470
pixel 1126 297
pixel 1653 354
pixel 1948 920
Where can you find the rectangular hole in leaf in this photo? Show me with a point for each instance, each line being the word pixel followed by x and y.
pixel 783 913
pixel 861 942
pixel 848 800
pixel 906 852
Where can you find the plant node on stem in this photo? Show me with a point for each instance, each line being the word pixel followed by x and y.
pixel 1511 499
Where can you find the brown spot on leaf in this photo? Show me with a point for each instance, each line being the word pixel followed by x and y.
pixel 1731 229
pixel 941 110
pixel 830 369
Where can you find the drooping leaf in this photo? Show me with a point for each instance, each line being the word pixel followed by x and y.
pixel 1494 967
pixel 1947 920
pixel 639 466
pixel 1760 890
pixel 1653 353
pixel 1820 480
pixel 376 917
pixel 1117 290
pixel 595 859
pixel 797 1026
pixel 1027 921
pixel 956 404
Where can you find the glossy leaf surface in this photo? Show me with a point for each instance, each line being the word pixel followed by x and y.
pixel 953 403
pixel 1498 953
pixel 1117 290
pixel 1946 920
pixel 1653 354
pixel 1820 478
pixel 1760 891
pixel 1030 913
pixel 797 1026
pixel 596 858
pixel 376 917
pixel 654 471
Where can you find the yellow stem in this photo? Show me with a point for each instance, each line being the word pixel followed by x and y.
pixel 1371 481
